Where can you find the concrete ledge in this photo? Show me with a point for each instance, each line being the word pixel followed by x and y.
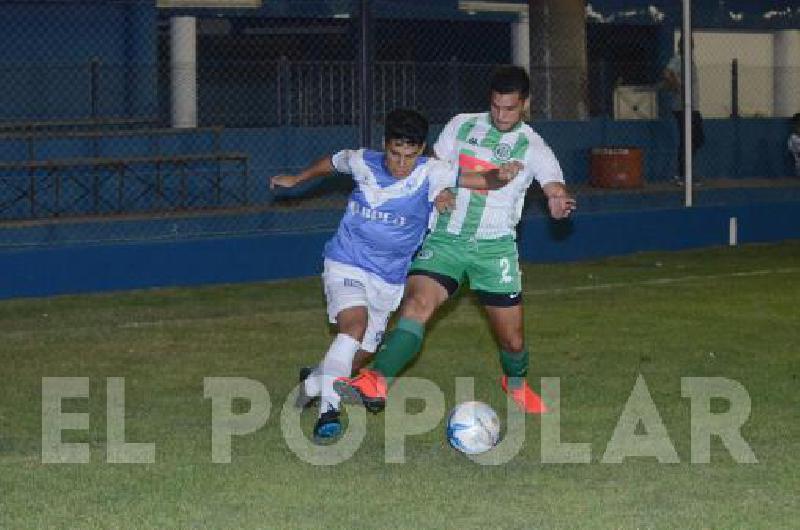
pixel 82 268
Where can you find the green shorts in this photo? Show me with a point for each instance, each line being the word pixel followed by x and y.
pixel 490 265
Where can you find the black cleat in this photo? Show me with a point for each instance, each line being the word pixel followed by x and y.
pixel 328 428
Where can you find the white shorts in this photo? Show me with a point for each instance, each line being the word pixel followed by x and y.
pixel 347 286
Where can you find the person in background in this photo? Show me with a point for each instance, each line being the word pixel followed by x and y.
pixel 794 143
pixel 672 81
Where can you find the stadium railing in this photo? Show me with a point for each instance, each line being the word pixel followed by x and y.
pixel 90 173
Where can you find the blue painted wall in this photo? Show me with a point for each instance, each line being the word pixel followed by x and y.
pixel 91 268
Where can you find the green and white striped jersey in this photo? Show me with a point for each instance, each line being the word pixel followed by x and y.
pixel 472 142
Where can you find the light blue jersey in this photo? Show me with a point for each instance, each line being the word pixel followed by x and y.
pixel 386 217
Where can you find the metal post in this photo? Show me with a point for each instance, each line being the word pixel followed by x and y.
pixel 365 63
pixel 786 79
pixel 183 71
pixel 521 41
pixel 687 98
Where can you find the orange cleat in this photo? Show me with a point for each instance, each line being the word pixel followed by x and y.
pixel 368 388
pixel 526 399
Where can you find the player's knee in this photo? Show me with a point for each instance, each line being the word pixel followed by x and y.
pixel 354 331
pixel 513 344
pixel 354 327
pixel 418 307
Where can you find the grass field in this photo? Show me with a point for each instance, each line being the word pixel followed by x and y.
pixel 724 312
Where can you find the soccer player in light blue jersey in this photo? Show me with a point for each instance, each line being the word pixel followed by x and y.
pixel 366 261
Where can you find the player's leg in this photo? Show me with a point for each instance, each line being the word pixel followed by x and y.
pixel 382 298
pixel 431 282
pixel 495 277
pixel 376 327
pixel 400 346
pixel 351 323
pixel 346 293
pixel 434 277
pixel 698 140
pixel 310 378
pixel 340 292
pixel 680 174
pixel 505 317
pixel 362 359
pixel 425 293
pixel 507 323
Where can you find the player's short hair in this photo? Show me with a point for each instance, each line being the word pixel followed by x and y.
pixel 796 119
pixel 509 79
pixel 406 124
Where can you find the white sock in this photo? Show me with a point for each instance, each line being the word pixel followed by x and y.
pixel 313 383
pixel 338 362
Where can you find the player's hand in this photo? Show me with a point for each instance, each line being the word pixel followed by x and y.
pixel 282 181
pixel 506 172
pixel 561 206
pixel 445 201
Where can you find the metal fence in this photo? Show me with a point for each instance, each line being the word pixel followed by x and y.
pixel 93 94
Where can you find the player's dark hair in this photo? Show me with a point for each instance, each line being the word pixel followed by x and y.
pixel 796 119
pixel 510 79
pixel 406 124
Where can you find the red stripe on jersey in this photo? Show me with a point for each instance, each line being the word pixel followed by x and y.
pixel 472 163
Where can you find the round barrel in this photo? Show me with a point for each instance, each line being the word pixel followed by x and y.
pixel 616 167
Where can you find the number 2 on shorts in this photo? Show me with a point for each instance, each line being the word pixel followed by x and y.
pixel 505 268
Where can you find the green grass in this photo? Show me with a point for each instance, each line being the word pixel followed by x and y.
pixel 713 313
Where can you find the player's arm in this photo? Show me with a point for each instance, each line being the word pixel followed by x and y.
pixel 542 165
pixel 320 168
pixel 477 180
pixel 559 201
pixel 492 179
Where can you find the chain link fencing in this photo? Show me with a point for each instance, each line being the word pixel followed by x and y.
pixel 129 120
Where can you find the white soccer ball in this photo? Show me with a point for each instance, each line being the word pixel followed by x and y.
pixel 473 427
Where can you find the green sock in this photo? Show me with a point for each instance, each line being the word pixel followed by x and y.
pixel 515 366
pixel 399 347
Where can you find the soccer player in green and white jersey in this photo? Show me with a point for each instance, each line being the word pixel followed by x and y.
pixel 475 242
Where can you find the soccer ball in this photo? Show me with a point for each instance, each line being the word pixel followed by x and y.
pixel 473 427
